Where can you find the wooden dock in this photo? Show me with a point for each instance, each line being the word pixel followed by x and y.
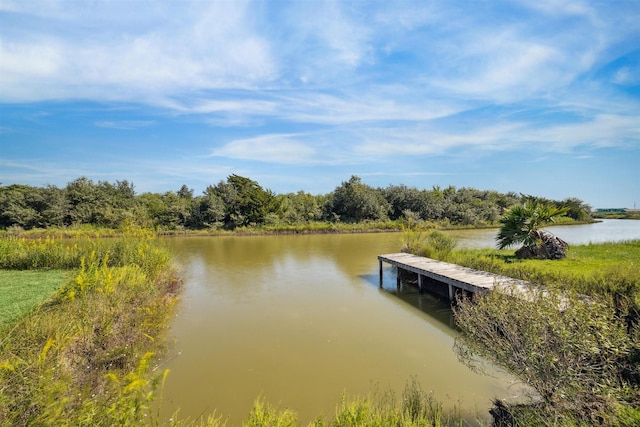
pixel 452 275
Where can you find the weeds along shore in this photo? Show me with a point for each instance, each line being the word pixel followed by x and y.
pixel 86 356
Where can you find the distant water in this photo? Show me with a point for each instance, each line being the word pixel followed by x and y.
pixel 609 230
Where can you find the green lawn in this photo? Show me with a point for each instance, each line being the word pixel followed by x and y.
pixel 581 259
pixel 21 290
pixel 611 269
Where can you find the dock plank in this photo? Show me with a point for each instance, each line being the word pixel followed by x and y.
pixel 453 275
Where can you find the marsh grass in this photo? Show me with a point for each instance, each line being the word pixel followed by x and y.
pixel 415 408
pixel 86 355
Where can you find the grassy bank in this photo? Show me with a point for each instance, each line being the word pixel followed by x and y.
pixel 311 227
pixel 85 355
pixel 611 270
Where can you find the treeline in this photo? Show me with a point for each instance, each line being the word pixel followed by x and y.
pixel 242 202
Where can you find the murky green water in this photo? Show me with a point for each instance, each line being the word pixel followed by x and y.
pixel 299 320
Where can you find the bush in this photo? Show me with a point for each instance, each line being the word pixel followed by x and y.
pixel 575 352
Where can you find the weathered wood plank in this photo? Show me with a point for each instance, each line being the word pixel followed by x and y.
pixel 451 274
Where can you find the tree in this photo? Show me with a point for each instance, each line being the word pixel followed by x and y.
pixel 522 224
pixel 298 208
pixel 56 206
pixel 209 209
pixel 355 201
pixel 577 209
pixel 19 206
pixel 245 201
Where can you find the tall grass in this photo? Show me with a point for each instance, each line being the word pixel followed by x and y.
pixel 430 244
pixel 85 357
pixel 415 408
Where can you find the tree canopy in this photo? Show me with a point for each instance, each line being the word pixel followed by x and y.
pixel 240 201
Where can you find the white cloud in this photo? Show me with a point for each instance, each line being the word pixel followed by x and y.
pixel 420 141
pixel 102 63
pixel 351 107
pixel 244 63
pixel 246 105
pixel 273 148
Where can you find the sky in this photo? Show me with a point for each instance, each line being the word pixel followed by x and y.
pixel 536 97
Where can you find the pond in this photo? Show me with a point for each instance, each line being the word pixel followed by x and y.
pixel 299 320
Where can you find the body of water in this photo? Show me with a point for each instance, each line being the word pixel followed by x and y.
pixel 299 320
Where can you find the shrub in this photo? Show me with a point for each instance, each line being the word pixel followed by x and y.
pixel 575 352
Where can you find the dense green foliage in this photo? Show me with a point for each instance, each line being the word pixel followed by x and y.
pixel 242 202
pixel 577 353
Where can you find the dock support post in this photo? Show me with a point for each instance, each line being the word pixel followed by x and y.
pixel 420 282
pixel 451 292
pixel 380 262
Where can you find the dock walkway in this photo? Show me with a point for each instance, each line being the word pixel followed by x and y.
pixel 453 275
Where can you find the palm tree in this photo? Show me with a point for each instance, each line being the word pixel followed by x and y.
pixel 523 224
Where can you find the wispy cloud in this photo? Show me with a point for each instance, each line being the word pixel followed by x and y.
pixel 274 148
pixel 134 64
pixel 125 124
pixel 604 130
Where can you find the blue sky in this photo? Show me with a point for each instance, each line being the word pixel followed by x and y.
pixel 540 97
